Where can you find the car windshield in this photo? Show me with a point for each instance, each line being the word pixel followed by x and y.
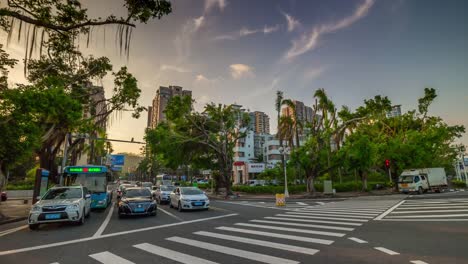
pixel 146 184
pixel 63 193
pixel 406 179
pixel 132 193
pixel 95 182
pixel 191 191
pixel 167 188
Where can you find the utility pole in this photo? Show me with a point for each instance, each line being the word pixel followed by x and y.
pixel 65 157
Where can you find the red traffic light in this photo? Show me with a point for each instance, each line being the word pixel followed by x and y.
pixel 387 163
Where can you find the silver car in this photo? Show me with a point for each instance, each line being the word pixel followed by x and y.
pixel 162 194
pixel 187 198
pixel 61 204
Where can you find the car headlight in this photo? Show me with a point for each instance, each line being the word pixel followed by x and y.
pixel 36 208
pixel 73 207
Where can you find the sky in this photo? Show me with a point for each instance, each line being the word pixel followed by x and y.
pixel 243 51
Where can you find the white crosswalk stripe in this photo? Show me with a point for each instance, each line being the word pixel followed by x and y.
pixel 171 254
pixel 312 221
pixel 109 258
pixel 304 231
pixel 430 210
pixel 303 250
pixel 323 217
pixel 232 251
pixel 347 215
pixel 304 225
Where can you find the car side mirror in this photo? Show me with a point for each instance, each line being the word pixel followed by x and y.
pixel 87 196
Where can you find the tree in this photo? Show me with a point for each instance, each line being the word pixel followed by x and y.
pixel 278 105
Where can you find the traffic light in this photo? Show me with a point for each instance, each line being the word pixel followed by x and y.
pixel 387 163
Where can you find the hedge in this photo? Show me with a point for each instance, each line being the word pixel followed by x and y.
pixel 22 186
pixel 458 184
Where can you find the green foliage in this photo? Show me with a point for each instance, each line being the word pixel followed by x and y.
pixel 458 184
pixel 20 186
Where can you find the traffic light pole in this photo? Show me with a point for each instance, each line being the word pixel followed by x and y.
pixel 389 175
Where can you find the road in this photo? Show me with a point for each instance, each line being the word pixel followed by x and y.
pixel 358 230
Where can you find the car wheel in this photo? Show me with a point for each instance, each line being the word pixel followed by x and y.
pixel 33 226
pixel 420 190
pixel 179 207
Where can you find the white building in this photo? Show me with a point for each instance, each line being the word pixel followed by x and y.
pixel 396 111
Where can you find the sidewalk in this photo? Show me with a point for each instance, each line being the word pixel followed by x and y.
pixel 318 195
pixel 14 210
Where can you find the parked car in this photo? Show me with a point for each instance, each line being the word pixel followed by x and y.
pixel 189 198
pixel 61 204
pixel 163 193
pixel 3 196
pixel 137 201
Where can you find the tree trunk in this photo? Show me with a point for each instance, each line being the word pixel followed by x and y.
pixel 2 177
pixel 363 175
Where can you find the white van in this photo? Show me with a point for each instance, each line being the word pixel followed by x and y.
pixel 422 180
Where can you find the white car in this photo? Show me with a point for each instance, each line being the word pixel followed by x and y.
pixel 187 198
pixel 61 204
pixel 162 193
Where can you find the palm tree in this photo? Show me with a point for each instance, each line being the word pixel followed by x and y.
pixel 297 124
pixel 278 104
pixel 286 130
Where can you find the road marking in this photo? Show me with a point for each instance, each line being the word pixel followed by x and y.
pixel 321 203
pixel 303 250
pixel 360 241
pixel 301 203
pixel 232 251
pixel 338 212
pixel 305 231
pixel 173 255
pixel 312 221
pixel 14 251
pixel 431 207
pixel 425 220
pixel 106 222
pixel 427 216
pixel 434 205
pixel 283 236
pixel 54 263
pixel 108 258
pixel 261 202
pixel 323 217
pixel 342 210
pixel 388 251
pixel 304 225
pixel 333 214
pixel 388 211
pixel 170 214
pixel 13 230
pixel 431 211
pixel 418 262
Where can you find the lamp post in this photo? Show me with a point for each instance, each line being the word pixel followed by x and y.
pixel 285 151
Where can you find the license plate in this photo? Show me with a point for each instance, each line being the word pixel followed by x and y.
pixel 404 185
pixel 198 203
pixel 139 210
pixel 52 216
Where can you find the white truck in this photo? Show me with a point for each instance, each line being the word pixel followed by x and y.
pixel 422 180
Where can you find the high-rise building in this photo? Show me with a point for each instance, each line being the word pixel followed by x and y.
pixel 396 111
pixel 262 123
pixel 304 113
pixel 160 101
pixel 150 116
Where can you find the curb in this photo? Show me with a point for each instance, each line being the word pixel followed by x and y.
pixel 13 220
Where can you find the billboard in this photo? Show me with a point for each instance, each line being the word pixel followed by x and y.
pixel 255 167
pixel 466 161
pixel 116 168
pixel 117 160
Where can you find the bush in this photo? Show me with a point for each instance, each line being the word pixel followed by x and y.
pixel 458 184
pixel 20 186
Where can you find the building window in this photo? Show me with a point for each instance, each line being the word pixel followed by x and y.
pixel 274 157
pixel 240 154
pixel 272 147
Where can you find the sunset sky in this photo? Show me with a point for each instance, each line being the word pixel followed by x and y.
pixel 243 51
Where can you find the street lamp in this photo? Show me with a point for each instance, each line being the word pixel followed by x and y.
pixel 285 151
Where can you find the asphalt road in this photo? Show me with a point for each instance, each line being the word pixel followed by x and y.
pixel 360 230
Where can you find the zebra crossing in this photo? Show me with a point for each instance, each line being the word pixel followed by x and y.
pixel 302 231
pixel 271 205
pixel 430 210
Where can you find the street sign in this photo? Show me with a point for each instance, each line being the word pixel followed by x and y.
pixel 255 167
pixel 118 160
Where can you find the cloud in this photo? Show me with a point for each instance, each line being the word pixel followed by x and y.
pixel 313 73
pixel 241 70
pixel 310 40
pixel 243 32
pixel 201 78
pixel 210 4
pixel 166 67
pixel 198 22
pixel 292 22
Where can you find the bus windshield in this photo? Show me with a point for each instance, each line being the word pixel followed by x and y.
pixel 95 182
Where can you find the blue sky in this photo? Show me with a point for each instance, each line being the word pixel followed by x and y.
pixel 242 51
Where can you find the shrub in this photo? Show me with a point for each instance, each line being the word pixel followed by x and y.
pixel 458 184
pixel 20 186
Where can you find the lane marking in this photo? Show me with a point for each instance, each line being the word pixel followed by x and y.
pixel 170 214
pixel 105 223
pixel 418 262
pixel 13 230
pixel 261 202
pixel 232 251
pixel 426 220
pixel 388 211
pixel 431 211
pixel 173 255
pixel 338 212
pixel 312 221
pixel 360 241
pixel 388 251
pixel 269 234
pixel 333 214
pixel 14 251
pixel 301 203
pixel 323 217
pixel 303 250
pixel 321 203
pixel 108 258
pixel 342 210
pixel 305 231
pixel 427 216
pixel 304 225
pixel 431 207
